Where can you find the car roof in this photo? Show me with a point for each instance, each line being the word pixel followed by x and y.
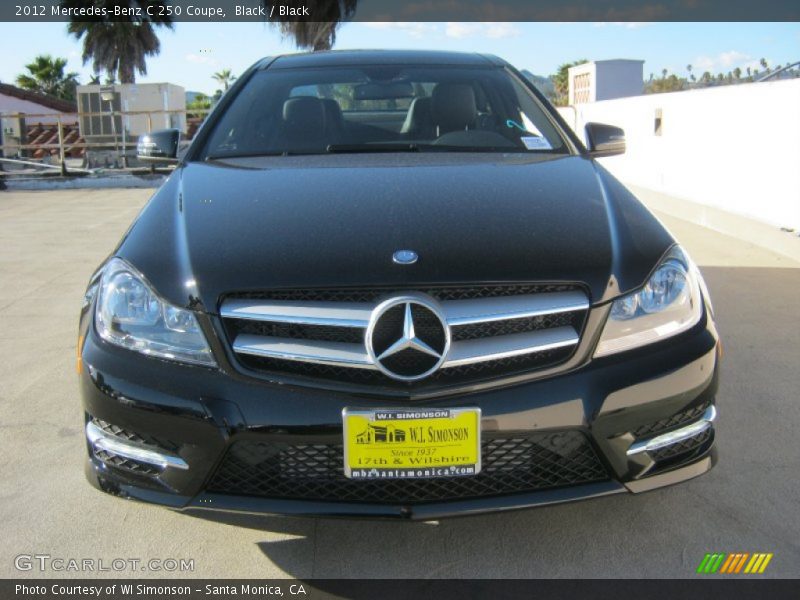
pixel 352 58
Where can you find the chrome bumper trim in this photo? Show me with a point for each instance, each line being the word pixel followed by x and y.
pixel 337 314
pixel 339 354
pixel 673 437
pixel 357 314
pixel 102 440
pixel 470 352
pixel 486 310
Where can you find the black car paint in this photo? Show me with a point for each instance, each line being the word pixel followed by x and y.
pixel 280 222
pixel 334 220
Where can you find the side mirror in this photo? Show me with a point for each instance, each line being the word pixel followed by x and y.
pixel 604 140
pixel 159 146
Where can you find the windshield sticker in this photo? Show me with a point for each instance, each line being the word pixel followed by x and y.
pixel 536 143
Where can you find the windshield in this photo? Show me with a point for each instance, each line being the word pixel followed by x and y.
pixel 387 108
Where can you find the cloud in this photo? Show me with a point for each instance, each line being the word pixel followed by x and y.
pixel 462 30
pixel 201 59
pixel 415 30
pixel 501 30
pixel 489 30
pixel 726 61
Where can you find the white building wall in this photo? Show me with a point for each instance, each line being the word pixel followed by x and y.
pixel 135 97
pixel 584 69
pixel 618 79
pixel 736 148
pixel 12 104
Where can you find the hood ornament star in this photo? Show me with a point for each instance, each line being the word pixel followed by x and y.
pixel 393 343
pixel 409 339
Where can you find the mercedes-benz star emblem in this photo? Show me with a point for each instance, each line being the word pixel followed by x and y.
pixel 408 337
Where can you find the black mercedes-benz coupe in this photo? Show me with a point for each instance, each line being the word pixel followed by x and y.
pixel 393 284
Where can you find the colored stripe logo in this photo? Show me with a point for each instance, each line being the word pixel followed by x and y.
pixel 734 563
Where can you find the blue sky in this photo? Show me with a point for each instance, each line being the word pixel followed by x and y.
pixel 193 51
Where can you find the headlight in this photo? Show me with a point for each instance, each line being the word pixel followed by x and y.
pixel 130 314
pixel 669 303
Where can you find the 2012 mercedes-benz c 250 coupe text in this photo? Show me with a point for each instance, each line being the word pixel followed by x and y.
pixel 389 283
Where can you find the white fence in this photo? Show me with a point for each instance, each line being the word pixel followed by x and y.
pixel 735 148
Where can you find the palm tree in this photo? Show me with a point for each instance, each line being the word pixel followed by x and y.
pixel 120 48
pixel 763 63
pixel 95 80
pixel 46 75
pixel 319 34
pixel 664 73
pixel 737 73
pixel 689 69
pixel 225 78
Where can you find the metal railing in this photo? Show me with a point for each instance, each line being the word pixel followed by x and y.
pixel 116 143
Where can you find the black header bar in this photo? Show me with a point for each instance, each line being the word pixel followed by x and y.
pixel 400 10
pixel 731 588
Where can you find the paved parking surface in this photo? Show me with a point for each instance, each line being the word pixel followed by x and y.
pixel 51 241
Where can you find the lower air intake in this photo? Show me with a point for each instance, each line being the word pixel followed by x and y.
pixel 273 469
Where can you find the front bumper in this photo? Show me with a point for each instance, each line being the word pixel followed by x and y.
pixel 193 416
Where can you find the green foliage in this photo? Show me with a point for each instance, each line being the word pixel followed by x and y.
pixel 225 78
pixel 671 83
pixel 46 75
pixel 119 47
pixel 561 81
pixel 319 34
pixel 199 102
pixel 343 94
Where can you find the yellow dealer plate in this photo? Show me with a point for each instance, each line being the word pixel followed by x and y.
pixel 411 443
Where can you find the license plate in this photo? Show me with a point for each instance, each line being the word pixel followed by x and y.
pixel 411 443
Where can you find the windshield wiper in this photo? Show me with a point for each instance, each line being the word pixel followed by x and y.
pixel 416 147
pixel 356 148
pixel 258 154
pixel 477 149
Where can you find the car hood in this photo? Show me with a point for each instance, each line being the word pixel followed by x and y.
pixel 334 221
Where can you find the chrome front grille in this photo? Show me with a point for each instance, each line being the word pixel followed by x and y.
pixel 494 330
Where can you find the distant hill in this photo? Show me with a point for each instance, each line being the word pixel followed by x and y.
pixel 543 84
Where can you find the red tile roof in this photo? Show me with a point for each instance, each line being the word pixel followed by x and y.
pixel 48 134
pixel 50 102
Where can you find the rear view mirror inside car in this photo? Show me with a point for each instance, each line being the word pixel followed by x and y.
pixel 383 91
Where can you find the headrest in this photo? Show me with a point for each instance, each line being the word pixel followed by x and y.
pixel 418 117
pixel 305 112
pixel 332 109
pixel 454 106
